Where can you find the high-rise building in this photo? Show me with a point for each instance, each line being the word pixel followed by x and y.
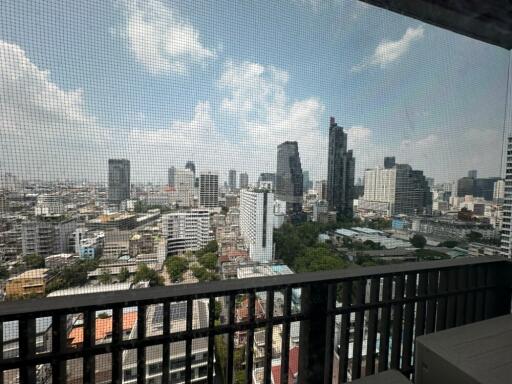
pixel 209 190
pixel 47 237
pixel 499 191
pixel 321 189
pixel 184 186
pixel 477 187
pixel 118 180
pixel 190 165
pixel 267 179
pixel 186 231
pixel 389 162
pixel 288 186
pixel 396 190
pixel 305 181
pixel 244 180
pixel 232 179
pixel 472 173
pixel 340 172
pixel 171 177
pixel 257 223
pixel 506 230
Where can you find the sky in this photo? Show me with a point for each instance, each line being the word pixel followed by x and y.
pixel 223 83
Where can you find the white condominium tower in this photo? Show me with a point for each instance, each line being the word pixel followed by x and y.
pixel 209 190
pixel 506 231
pixel 186 231
pixel 256 223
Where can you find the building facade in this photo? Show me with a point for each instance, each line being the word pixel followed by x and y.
pixel 186 231
pixel 506 231
pixel 340 172
pixel 289 183
pixel 257 223
pixel 184 186
pixel 244 180
pixel 45 238
pixel 49 205
pixel 209 190
pixel 171 175
pixel 232 179
pixel 118 180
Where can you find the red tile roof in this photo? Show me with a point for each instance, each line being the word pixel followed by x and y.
pixel 293 368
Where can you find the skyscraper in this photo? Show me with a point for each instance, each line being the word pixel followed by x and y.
pixel 288 185
pixel 232 179
pixel 171 177
pixel 209 190
pixel 472 173
pixel 305 181
pixel 257 223
pixel 190 165
pixel 266 178
pixel 340 172
pixel 118 180
pixel 506 230
pixel 244 180
pixel 389 162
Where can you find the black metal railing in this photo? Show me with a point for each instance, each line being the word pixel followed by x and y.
pixel 353 322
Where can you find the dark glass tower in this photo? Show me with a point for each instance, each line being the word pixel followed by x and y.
pixel 340 172
pixel 118 180
pixel 289 183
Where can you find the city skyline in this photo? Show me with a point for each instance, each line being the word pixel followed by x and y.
pixel 180 88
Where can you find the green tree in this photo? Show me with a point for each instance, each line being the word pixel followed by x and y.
pixel 474 236
pixel 208 260
pixel 418 241
pixel 4 272
pixel 212 247
pixel 202 274
pixel 124 275
pixel 74 275
pixel 318 259
pixel 449 243
pixel 33 260
pixel 105 277
pixel 144 273
pixel 176 265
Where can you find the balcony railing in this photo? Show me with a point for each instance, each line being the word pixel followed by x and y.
pixel 385 308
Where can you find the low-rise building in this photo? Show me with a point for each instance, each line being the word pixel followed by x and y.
pixel 27 284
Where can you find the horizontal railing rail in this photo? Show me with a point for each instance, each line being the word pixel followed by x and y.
pixel 353 322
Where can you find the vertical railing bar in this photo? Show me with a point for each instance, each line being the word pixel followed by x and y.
pixel 373 319
pixel 1 350
pixel 249 351
pixel 231 341
pixel 89 365
pixel 421 305
pixel 430 324
pixel 346 297
pixel 59 345
pixel 269 314
pixel 117 338
pixel 211 338
pixel 166 347
pixel 358 330
pixel 452 298
pixel 285 341
pixel 471 296
pixel 384 324
pixel 27 348
pixel 490 306
pixel 329 334
pixel 410 292
pixel 188 342
pixel 480 295
pixel 396 337
pixel 462 285
pixel 442 302
pixel 141 351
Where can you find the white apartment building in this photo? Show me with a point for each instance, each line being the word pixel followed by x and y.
pixel 499 191
pixel 506 242
pixel 184 186
pixel 186 231
pixel 209 190
pixel 257 222
pixel 49 205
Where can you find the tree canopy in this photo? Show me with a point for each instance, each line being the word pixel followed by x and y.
pixel 318 259
pixel 33 261
pixel 208 260
pixel 144 273
pixel 105 277
pixel 418 241
pixel 124 275
pixel 176 265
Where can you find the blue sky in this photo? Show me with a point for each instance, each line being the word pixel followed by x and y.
pixel 222 83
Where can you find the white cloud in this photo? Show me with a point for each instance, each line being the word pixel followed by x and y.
pixel 45 131
pixel 390 51
pixel 161 39
pixel 256 99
